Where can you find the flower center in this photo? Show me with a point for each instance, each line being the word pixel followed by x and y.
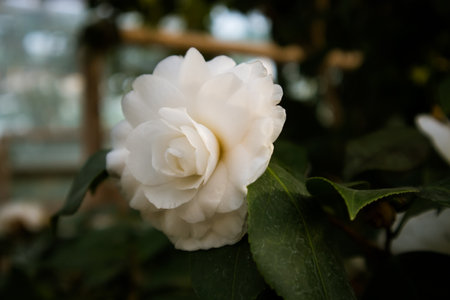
pixel 180 157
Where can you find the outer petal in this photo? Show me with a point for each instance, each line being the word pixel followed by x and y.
pixel 233 198
pixel 220 64
pixel 205 203
pixel 193 73
pixel 229 225
pixel 115 161
pixel 149 94
pixel 212 109
pixel 248 160
pixel 120 134
pixel 169 68
pixel 250 70
pixel 167 197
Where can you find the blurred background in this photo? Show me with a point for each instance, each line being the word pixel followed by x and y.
pixel 347 68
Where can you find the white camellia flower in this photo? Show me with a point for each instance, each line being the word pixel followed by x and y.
pixel 438 132
pixel 195 135
pixel 428 231
pixel 31 216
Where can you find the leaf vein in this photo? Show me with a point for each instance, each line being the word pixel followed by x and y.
pixel 291 197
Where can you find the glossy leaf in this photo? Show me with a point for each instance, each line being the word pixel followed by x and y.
pixel 354 199
pixel 391 149
pixel 226 273
pixel 287 234
pixel 90 176
pixel 438 192
pixel 291 157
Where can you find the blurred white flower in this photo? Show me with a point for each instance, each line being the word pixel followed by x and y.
pixel 438 132
pixel 195 135
pixel 426 232
pixel 30 216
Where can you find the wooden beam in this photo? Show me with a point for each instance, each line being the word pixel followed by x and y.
pixel 206 43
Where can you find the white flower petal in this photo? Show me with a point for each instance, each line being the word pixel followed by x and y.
pixel 165 196
pixel 141 157
pixel 169 68
pixel 140 202
pixel 212 110
pixel 248 160
pixel 149 94
pixel 173 226
pixel 175 117
pixel 135 109
pixel 115 161
pixel 210 195
pixel 192 212
pixel 229 225
pixel 201 153
pixel 193 72
pixel 277 94
pixel 220 64
pixel 233 198
pixel 119 134
pixel 438 132
pixel 250 70
pixel 189 182
pixel 278 117
pixel 213 148
pixel 246 165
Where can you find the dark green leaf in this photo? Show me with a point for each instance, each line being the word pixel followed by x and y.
pixel 354 199
pixel 151 242
pixel 291 157
pixel 89 177
pixel 226 273
pixel 391 149
pixel 287 234
pixel 99 255
pixel 444 95
pixel 438 192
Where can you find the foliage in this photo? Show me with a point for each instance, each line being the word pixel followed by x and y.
pixel 316 205
pixel 287 234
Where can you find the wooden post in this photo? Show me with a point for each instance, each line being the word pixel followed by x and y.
pixel 93 65
pixel 5 170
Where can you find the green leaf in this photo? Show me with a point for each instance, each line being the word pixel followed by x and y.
pixel 226 273
pixel 291 157
pixel 99 255
pixel 438 192
pixel 444 95
pixel 354 199
pixel 391 149
pixel 150 242
pixel 287 234
pixel 90 176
